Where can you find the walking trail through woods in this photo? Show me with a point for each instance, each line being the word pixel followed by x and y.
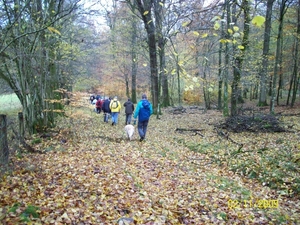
pixel 190 170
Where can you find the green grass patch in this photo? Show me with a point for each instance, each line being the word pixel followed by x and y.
pixel 10 104
pixel 30 211
pixel 225 184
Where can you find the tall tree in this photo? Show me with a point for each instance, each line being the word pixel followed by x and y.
pixel 145 8
pixel 240 56
pixel 282 10
pixel 295 77
pixel 161 39
pixel 134 57
pixel 225 91
pixel 265 55
pixel 220 71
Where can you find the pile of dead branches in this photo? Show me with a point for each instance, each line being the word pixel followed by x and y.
pixel 254 123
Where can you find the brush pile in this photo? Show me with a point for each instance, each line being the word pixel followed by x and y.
pixel 254 123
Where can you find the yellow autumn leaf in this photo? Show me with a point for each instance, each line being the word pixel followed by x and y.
pixel 181 63
pixel 144 64
pixel 162 4
pixel 230 31
pixel 258 21
pixel 184 24
pixel 145 13
pixel 217 26
pixel 196 33
pixel 241 47
pixel 236 28
pixel 53 30
pixel 204 35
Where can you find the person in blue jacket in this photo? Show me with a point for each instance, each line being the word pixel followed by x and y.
pixel 143 112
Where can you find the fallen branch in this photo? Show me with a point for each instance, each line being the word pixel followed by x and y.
pixel 226 135
pixel 177 110
pixel 184 129
pixel 196 131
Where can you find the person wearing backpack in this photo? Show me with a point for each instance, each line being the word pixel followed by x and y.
pixel 115 108
pixel 129 108
pixel 143 112
pixel 106 109
pixel 99 105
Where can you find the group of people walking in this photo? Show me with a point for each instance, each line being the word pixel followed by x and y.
pixel 112 108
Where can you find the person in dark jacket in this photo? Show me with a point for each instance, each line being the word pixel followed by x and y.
pixel 106 109
pixel 99 105
pixel 129 108
pixel 92 97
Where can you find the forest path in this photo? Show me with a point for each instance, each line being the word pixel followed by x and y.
pixel 97 176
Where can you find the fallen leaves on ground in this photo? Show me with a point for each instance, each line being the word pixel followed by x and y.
pixel 97 176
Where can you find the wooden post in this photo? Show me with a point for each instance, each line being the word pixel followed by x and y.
pixel 21 126
pixel 4 152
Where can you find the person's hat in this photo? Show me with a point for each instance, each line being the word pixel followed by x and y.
pixel 144 96
pixel 115 98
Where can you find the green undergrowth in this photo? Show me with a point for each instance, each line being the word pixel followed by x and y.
pixel 273 167
pixel 276 167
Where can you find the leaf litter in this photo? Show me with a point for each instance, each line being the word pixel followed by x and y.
pixel 99 177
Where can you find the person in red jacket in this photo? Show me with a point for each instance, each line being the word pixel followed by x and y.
pixel 99 105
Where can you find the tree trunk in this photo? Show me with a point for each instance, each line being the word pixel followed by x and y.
pixel 239 59
pixel 295 89
pixel 143 7
pixel 278 53
pixel 178 79
pixel 266 46
pixel 163 75
pixel 225 94
pixel 127 85
pixel 220 83
pixel 134 60
pixel 206 92
pixel 158 10
pixel 153 65
pixel 280 81
pixel 294 83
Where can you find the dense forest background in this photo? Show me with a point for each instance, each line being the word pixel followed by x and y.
pixel 215 53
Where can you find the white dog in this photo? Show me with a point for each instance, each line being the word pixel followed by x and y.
pixel 129 130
